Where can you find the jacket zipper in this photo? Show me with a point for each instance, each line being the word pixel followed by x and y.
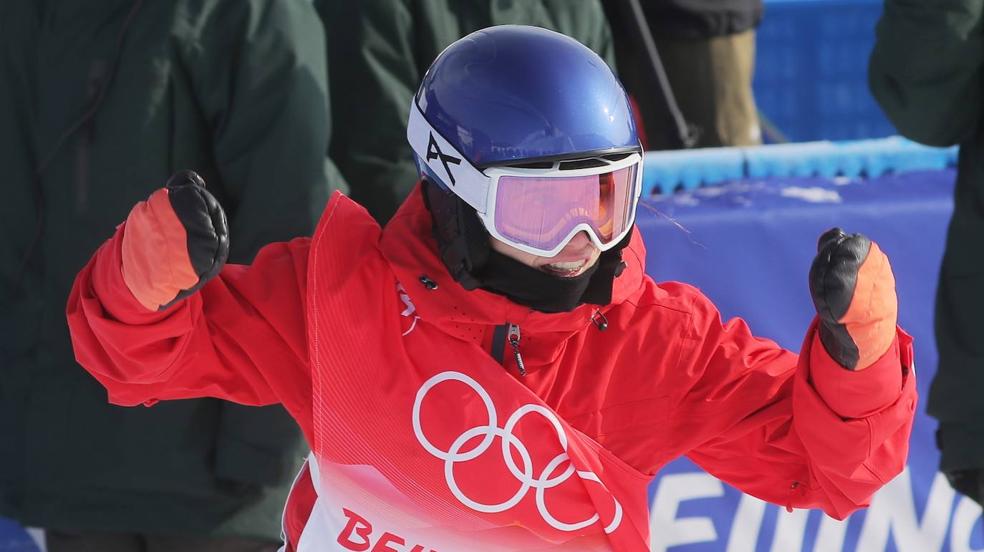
pixel 513 335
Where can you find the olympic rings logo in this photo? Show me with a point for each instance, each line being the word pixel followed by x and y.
pixel 545 480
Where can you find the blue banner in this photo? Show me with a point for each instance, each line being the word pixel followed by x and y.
pixel 748 245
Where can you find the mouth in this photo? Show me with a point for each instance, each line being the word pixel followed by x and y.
pixel 567 269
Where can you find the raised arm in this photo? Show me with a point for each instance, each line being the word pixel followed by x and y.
pixel 824 430
pixel 155 315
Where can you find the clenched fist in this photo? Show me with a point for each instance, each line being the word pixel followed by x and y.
pixel 853 290
pixel 174 242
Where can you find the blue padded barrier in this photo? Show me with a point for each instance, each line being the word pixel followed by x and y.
pixel 688 169
pixel 667 171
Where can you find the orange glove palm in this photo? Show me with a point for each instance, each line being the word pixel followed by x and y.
pixel 174 242
pixel 853 289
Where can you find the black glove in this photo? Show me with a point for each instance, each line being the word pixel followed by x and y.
pixel 174 242
pixel 853 290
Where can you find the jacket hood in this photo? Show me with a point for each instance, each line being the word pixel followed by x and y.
pixel 409 246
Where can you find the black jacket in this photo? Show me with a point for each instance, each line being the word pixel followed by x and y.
pixel 234 89
pixel 925 71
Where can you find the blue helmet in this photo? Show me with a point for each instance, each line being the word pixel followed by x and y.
pixel 511 103
pixel 514 94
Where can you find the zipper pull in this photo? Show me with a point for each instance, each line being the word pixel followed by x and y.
pixel 599 320
pixel 513 336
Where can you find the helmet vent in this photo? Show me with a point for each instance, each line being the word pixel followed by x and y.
pixel 616 156
pixel 582 164
pixel 574 164
pixel 592 162
pixel 534 165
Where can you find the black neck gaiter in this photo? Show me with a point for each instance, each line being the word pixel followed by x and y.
pixel 547 293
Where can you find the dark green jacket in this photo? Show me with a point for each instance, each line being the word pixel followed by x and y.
pixel 235 89
pixel 378 51
pixel 926 72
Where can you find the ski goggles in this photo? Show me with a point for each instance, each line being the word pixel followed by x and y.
pixel 538 210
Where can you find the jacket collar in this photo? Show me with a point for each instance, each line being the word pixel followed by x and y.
pixel 409 246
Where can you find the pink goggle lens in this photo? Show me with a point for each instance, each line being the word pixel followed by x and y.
pixel 540 212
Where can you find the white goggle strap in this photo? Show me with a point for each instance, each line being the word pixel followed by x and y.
pixel 460 176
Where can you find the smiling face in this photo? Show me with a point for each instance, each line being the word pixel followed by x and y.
pixel 574 259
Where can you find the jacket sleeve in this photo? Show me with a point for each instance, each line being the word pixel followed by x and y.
pixel 241 337
pixel 925 69
pixel 801 431
pixel 259 75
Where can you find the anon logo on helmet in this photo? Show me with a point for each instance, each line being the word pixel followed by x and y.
pixel 434 152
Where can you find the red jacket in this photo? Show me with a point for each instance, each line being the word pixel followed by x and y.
pixel 422 440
